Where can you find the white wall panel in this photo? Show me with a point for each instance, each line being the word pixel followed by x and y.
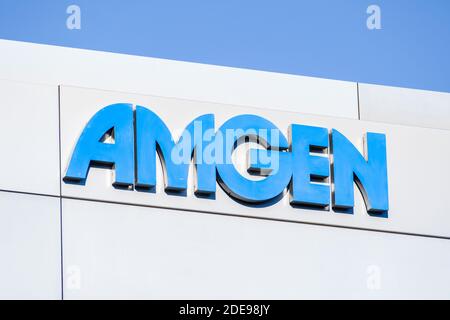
pixel 29 138
pixel 418 170
pixel 30 247
pixel 404 106
pixel 118 251
pixel 193 81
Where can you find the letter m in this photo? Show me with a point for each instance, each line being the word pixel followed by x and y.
pixel 153 136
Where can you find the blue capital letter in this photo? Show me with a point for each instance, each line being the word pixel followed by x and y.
pixel 306 166
pixel 151 132
pixel 370 175
pixel 280 172
pixel 91 149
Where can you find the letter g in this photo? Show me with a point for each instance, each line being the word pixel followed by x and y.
pixel 231 180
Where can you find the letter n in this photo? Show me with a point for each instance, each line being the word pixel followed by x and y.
pixel 370 174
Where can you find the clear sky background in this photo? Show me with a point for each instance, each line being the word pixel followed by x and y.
pixel 322 38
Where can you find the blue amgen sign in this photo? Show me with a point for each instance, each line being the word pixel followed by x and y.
pixel 296 162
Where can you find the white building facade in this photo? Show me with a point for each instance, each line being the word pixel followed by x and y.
pixel 92 241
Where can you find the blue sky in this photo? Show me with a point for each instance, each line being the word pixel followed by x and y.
pixel 323 38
